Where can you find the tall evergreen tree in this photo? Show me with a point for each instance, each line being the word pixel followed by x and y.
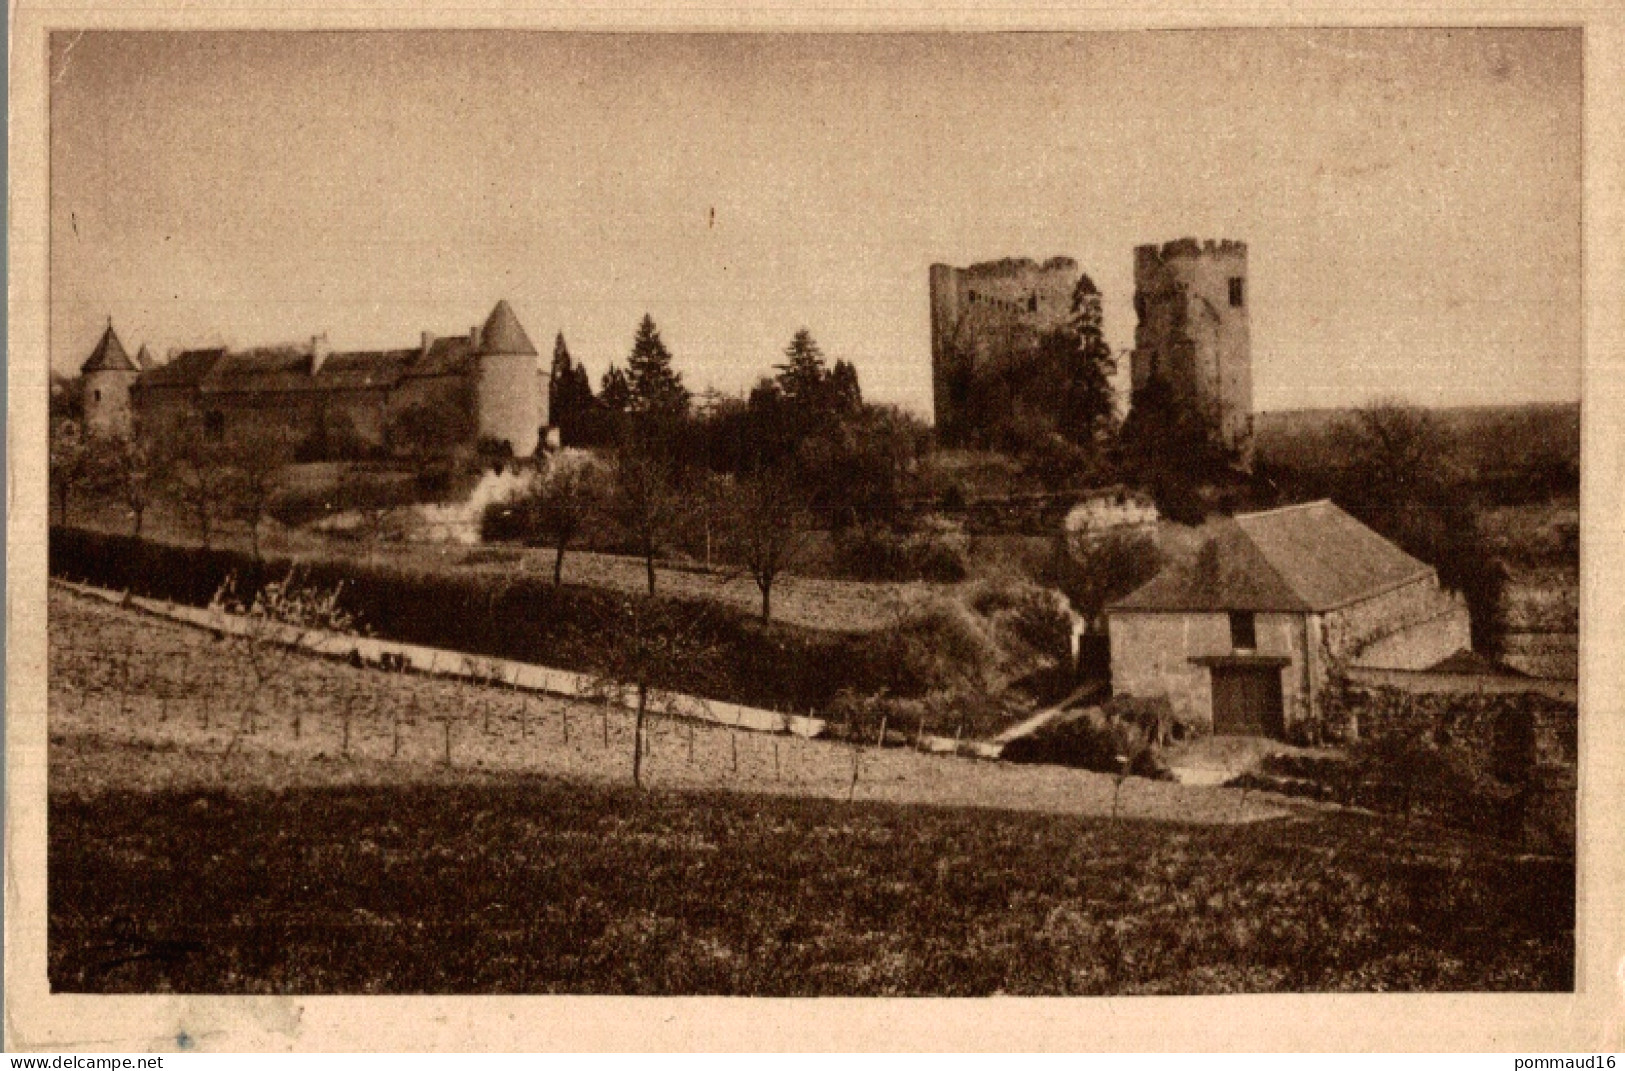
pixel 571 406
pixel 1077 365
pixel 656 389
pixel 615 392
pixel 845 394
pixel 803 378
pixel 560 378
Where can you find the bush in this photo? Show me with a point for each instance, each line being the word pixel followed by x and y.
pixel 1463 759
pixel 1028 614
pixel 938 552
pixel 1119 737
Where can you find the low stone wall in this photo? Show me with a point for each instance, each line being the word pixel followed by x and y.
pixel 1427 682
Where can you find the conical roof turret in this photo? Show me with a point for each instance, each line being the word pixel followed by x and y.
pixel 502 335
pixel 109 354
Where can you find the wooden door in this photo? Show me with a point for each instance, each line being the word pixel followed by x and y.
pixel 1247 701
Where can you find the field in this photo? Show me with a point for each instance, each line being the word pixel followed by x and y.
pixel 199 842
pixel 811 601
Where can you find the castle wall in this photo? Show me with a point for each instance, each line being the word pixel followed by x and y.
pixel 289 416
pixel 157 409
pixel 987 314
pixel 1193 334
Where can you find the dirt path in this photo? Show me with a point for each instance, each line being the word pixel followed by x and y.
pixel 120 679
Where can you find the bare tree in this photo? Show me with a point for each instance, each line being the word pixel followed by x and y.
pixel 72 465
pixel 649 643
pixel 257 461
pixel 560 501
pixel 767 527
pixel 196 474
pixel 646 502
pixel 383 509
pixel 131 474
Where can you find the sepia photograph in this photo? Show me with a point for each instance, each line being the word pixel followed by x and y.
pixel 817 514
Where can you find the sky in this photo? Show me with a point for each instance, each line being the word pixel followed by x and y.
pixel 1411 199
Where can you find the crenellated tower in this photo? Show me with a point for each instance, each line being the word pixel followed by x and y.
pixel 1193 337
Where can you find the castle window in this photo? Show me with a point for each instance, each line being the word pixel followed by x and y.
pixel 95 395
pixel 1238 292
pixel 214 424
pixel 1243 631
pixel 1032 303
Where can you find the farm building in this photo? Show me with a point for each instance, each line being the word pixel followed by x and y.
pixel 1242 635
pixel 486 384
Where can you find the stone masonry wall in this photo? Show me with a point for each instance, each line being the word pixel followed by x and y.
pixel 1194 335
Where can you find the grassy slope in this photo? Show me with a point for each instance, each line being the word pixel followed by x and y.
pixel 485 883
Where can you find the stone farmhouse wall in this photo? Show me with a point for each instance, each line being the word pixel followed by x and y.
pixel 1152 654
pixel 1413 626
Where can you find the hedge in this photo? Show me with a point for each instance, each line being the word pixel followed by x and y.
pixel 523 616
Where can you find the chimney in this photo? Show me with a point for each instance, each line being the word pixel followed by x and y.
pixel 319 351
pixel 428 340
pixel 474 338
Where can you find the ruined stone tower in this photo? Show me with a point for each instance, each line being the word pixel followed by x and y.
pixel 108 374
pixel 1192 336
pixel 505 383
pixel 987 315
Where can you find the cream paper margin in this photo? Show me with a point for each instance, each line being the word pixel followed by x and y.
pixel 1592 1019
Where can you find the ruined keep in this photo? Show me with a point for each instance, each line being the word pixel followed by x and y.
pixel 989 316
pixel 1192 337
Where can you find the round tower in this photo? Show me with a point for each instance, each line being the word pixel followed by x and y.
pixel 108 375
pixel 506 384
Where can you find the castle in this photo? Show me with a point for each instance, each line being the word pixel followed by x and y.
pixel 1192 337
pixel 485 387
pixel 989 316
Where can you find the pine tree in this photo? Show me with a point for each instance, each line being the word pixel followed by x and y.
pixel 560 378
pixel 845 394
pixel 570 400
pixel 1087 403
pixel 655 388
pixel 803 377
pixel 615 391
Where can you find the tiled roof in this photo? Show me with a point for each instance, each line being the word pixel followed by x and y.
pixel 370 370
pixel 1309 557
pixel 446 357
pixel 109 355
pixel 502 334
pixel 271 370
pixel 183 370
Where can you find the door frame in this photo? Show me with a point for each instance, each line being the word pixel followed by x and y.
pixel 1253 663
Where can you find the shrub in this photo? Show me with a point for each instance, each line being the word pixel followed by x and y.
pixel 1119 737
pixel 1028 614
pixel 938 552
pixel 1462 759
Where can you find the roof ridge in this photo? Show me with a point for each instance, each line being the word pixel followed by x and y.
pixel 1285 509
